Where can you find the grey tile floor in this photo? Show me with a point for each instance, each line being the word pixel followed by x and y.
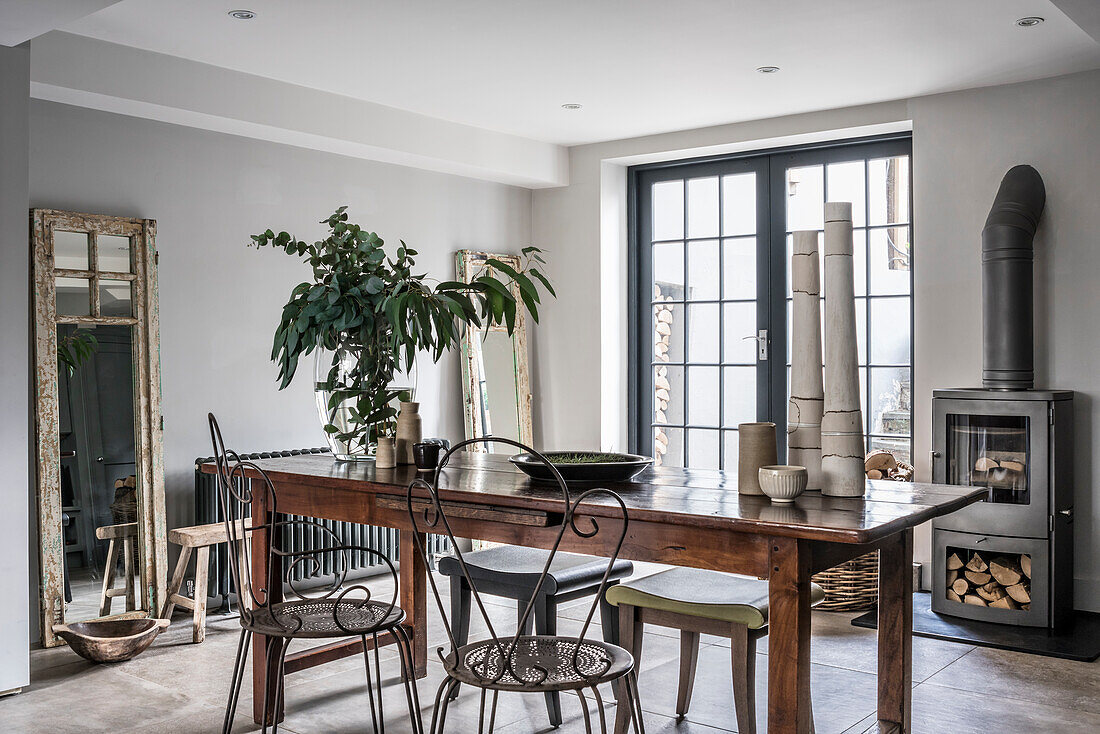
pixel 178 687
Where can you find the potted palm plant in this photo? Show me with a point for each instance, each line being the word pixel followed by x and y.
pixel 366 315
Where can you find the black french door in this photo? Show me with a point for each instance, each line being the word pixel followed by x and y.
pixel 709 252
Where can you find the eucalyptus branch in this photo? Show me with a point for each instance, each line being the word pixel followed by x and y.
pixel 365 299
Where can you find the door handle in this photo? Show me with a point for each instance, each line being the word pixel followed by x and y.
pixel 99 459
pixel 761 344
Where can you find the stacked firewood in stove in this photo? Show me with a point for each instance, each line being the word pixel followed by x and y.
pixel 1002 582
pixel 882 465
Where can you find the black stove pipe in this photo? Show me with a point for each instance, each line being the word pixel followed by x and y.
pixel 1008 347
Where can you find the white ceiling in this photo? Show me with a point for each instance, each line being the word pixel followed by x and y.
pixel 637 66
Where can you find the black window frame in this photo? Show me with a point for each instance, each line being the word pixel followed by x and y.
pixel 770 166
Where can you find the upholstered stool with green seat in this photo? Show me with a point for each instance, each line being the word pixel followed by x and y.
pixel 699 602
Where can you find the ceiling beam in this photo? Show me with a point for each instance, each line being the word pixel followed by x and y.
pixel 1085 13
pixel 22 20
pixel 105 76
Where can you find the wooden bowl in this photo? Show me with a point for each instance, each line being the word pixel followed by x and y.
pixel 110 640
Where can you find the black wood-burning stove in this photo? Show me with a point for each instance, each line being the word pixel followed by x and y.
pixel 1018 445
pixel 1008 559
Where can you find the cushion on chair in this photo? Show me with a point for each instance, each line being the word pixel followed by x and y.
pixel 699 593
pixel 516 565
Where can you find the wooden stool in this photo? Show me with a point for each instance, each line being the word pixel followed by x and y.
pixel 200 538
pixel 119 536
pixel 700 602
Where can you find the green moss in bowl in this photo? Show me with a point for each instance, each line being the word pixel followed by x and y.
pixel 576 457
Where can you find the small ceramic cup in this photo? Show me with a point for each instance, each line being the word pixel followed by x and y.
pixel 426 455
pixel 783 483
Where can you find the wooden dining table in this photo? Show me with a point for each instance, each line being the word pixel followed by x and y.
pixel 682 517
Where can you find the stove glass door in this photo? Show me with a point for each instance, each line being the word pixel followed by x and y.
pixel 990 451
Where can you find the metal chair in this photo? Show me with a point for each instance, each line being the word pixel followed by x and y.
pixel 331 611
pixel 512 571
pixel 524 663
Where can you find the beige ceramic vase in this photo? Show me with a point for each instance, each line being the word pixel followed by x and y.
pixel 756 447
pixel 409 432
pixel 384 456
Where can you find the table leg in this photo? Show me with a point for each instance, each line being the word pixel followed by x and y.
pixel 895 634
pixel 413 584
pixel 789 709
pixel 262 573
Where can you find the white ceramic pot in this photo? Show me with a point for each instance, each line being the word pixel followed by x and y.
pixel 783 483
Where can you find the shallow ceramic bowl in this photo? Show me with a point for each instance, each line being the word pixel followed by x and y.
pixel 110 640
pixel 615 467
pixel 783 483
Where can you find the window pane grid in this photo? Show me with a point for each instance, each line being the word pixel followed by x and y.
pixel 708 218
pixel 701 245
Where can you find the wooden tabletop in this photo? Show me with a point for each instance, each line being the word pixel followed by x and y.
pixel 688 496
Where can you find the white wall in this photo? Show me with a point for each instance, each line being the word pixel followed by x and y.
pixel 220 300
pixel 15 442
pixel 963 144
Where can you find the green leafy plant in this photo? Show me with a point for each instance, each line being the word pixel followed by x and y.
pixel 75 348
pixel 375 313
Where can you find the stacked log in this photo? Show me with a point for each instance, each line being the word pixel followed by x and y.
pixel 881 464
pixel 662 388
pixel 1002 582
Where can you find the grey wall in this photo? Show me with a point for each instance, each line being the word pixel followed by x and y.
pixel 15 441
pixel 963 144
pixel 220 300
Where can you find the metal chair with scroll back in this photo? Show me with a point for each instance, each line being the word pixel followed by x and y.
pixel 524 663
pixel 329 611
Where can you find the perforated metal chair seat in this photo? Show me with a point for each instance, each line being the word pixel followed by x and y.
pixel 542 663
pixel 318 618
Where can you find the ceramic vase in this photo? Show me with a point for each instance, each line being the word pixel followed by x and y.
pixel 409 432
pixel 807 400
pixel 755 448
pixel 842 421
pixel 385 456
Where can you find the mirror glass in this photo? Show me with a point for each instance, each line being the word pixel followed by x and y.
pixel 70 250
pixel 114 253
pixel 99 488
pixel 496 386
pixel 73 297
pixel 498 398
pixel 114 298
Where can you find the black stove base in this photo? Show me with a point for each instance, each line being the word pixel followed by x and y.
pixel 1081 642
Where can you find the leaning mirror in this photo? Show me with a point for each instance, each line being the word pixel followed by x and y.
pixel 495 384
pixel 97 389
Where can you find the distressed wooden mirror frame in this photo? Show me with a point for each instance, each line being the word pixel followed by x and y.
pixel 152 545
pixel 468 264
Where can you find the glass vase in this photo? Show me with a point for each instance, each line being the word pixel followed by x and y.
pixel 342 401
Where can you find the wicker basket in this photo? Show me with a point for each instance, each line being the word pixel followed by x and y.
pixel 850 587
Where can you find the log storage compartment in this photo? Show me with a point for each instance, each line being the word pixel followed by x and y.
pixel 990 578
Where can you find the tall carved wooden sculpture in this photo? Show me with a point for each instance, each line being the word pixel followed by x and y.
pixel 804 411
pixel 842 423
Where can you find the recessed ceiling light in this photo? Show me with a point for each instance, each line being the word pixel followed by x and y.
pixel 571 106
pixel 1029 21
pixel 242 14
pixel 767 69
